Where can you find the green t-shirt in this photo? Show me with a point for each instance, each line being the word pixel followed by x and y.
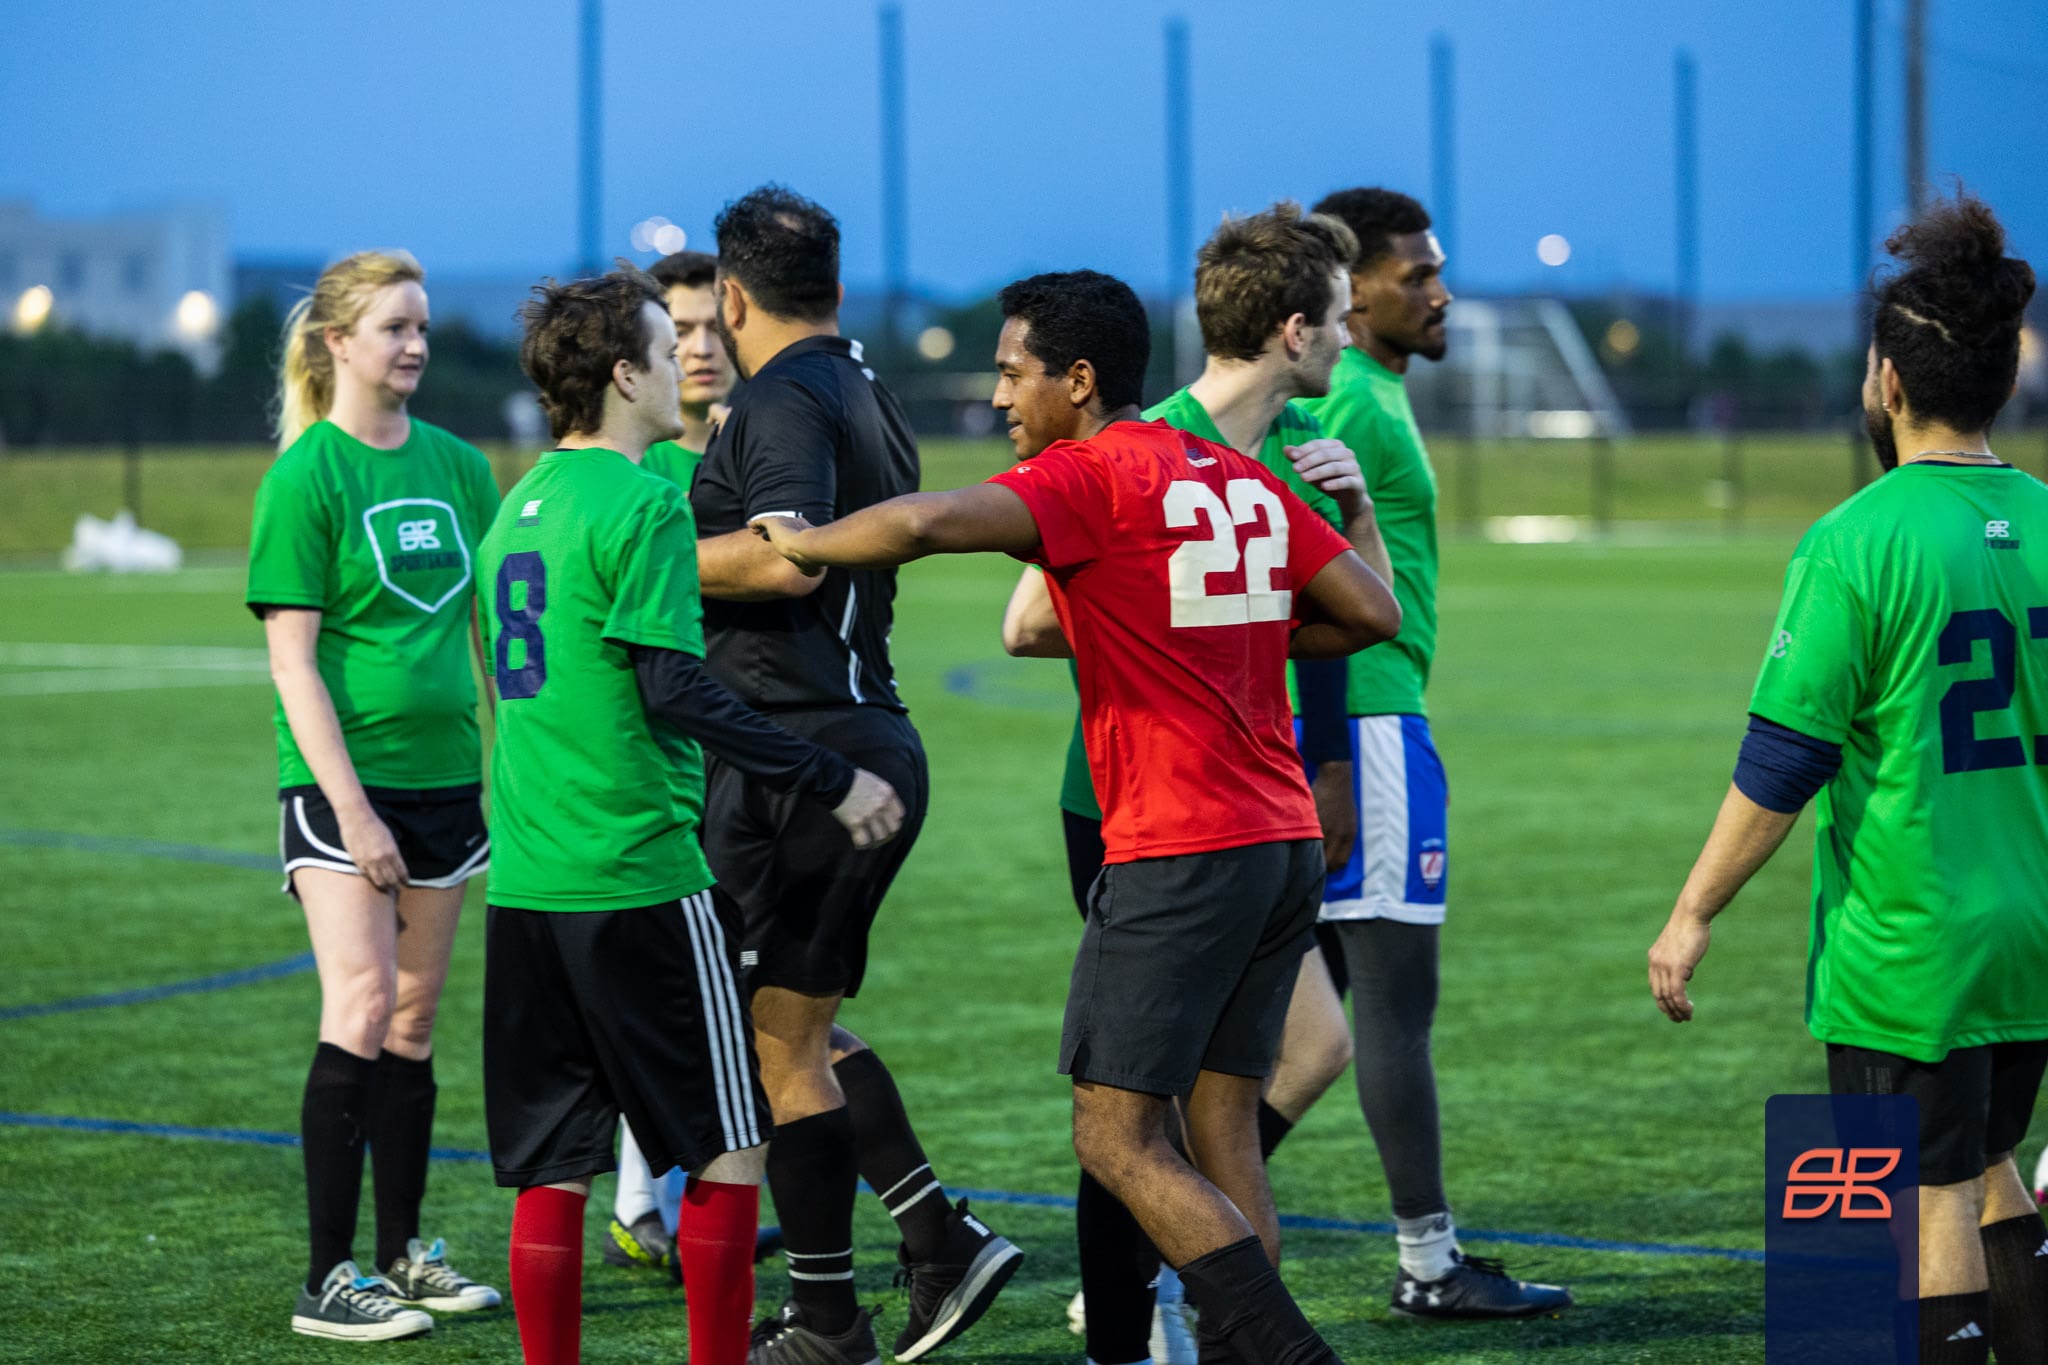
pixel 380 543
pixel 589 554
pixel 676 463
pixel 1294 426
pixel 1914 632
pixel 1367 409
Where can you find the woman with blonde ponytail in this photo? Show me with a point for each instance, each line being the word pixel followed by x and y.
pixel 359 568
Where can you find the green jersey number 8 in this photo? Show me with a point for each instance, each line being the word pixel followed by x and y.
pixel 521 624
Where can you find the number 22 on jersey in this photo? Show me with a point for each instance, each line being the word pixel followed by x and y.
pixel 1189 568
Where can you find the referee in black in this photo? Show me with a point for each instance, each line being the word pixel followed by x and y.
pixel 814 434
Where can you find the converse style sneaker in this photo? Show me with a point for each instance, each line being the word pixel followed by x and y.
pixel 424 1277
pixel 352 1306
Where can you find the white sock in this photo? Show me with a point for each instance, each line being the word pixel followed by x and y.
pixel 668 1193
pixel 635 1199
pixel 1167 1288
pixel 1429 1245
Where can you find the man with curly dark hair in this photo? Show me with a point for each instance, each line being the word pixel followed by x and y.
pixel 1906 684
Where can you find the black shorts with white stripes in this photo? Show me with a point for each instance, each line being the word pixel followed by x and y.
pixel 439 830
pixel 592 1014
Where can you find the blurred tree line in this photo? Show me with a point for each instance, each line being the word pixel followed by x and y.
pixel 60 387
pixel 1731 385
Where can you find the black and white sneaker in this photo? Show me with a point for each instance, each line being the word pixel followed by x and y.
pixel 1477 1288
pixel 352 1306
pixel 947 1298
pixel 423 1276
pixel 646 1243
pixel 785 1339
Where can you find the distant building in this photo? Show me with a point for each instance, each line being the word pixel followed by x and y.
pixel 159 278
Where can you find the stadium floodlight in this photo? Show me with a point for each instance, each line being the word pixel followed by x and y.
pixel 644 231
pixel 935 343
pixel 1553 249
pixel 669 239
pixel 1622 338
pixel 33 308
pixel 198 316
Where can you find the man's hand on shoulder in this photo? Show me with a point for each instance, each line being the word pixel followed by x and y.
pixel 1327 465
pixel 786 535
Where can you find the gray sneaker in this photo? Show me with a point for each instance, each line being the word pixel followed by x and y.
pixel 352 1306
pixel 423 1276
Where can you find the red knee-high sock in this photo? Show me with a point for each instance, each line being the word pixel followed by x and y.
pixel 715 1243
pixel 547 1274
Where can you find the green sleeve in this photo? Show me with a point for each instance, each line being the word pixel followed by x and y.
pixel 654 577
pixel 291 547
pixel 484 493
pixel 1813 674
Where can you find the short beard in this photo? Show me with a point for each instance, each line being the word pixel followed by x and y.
pixel 731 344
pixel 1878 423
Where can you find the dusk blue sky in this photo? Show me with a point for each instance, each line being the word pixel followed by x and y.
pixel 1036 130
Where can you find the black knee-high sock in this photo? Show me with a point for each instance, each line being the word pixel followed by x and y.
pixel 2016 1254
pixel 333 1121
pixel 1242 1301
pixel 1274 1127
pixel 401 1132
pixel 891 1158
pixel 813 1175
pixel 1118 1264
pixel 1955 1329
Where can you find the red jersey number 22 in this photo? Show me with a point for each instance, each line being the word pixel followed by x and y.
pixel 1189 567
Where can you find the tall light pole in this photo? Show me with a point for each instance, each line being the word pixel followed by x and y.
pixel 590 129
pixel 895 186
pixel 1686 135
pixel 1916 107
pixel 1443 146
pixel 1180 188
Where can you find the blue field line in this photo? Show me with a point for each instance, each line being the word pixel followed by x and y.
pixel 138 848
pixel 219 981
pixel 1297 1221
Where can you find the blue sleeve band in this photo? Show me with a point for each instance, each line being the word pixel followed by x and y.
pixel 1780 768
pixel 1321 684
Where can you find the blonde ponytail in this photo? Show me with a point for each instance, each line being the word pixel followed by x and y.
pixel 305 380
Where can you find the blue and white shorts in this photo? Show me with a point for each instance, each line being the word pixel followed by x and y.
pixel 1399 867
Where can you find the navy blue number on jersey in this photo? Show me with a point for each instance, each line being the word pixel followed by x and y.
pixel 522 623
pixel 1961 750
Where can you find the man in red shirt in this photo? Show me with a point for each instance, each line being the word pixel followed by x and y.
pixel 1184 575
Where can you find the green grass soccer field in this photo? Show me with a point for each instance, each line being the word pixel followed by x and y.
pixel 1588 699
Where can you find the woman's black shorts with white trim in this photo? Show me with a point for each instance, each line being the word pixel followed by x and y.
pixel 440 832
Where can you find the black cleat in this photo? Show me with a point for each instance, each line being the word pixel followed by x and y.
pixel 947 1298
pixel 645 1244
pixel 785 1340
pixel 1477 1289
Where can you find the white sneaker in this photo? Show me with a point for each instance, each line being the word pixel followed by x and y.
pixel 1172 1342
pixel 1077 1316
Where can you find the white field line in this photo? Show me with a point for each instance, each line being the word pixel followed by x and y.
pixel 71 668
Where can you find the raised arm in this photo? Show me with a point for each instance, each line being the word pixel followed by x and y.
pixel 1346 607
pixel 984 517
pixel 1031 628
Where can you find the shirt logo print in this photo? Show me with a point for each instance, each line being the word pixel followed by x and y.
pixel 419 535
pixel 1782 645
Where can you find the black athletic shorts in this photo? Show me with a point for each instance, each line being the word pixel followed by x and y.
pixel 1187 965
pixel 1974 1103
pixel 591 1014
pixel 1084 855
pixel 440 832
pixel 807 897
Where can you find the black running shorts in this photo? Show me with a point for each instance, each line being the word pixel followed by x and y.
pixel 440 832
pixel 1187 965
pixel 1974 1103
pixel 592 1014
pixel 1084 856
pixel 807 897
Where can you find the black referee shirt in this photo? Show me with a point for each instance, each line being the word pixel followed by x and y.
pixel 813 434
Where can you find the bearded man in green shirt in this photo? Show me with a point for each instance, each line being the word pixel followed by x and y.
pixel 1906 684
